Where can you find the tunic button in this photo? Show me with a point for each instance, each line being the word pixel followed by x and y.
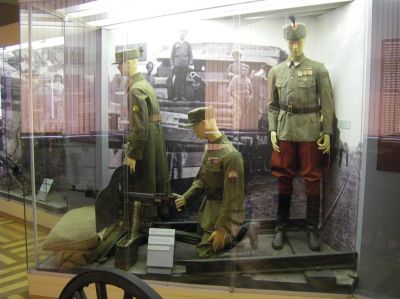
pixel 291 77
pixel 291 89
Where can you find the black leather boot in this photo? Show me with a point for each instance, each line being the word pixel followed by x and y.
pixel 313 204
pixel 313 240
pixel 282 221
pixel 279 238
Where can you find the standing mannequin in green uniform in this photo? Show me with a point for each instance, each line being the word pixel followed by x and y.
pixel 300 112
pixel 145 153
pixel 221 179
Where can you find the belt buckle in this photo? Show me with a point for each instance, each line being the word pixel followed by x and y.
pixel 290 110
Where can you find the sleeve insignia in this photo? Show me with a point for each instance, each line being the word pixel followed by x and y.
pixel 135 108
pixel 233 176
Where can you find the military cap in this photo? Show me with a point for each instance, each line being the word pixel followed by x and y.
pixel 199 114
pixel 125 55
pixel 294 32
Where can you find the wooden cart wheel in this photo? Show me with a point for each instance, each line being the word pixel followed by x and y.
pixel 132 286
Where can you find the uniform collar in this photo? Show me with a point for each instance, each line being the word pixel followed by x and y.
pixel 299 61
pixel 217 144
pixel 135 78
pixel 220 139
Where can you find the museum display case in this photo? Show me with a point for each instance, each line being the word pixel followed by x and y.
pixel 76 115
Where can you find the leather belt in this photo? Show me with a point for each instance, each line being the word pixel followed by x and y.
pixel 291 110
pixel 155 118
pixel 214 196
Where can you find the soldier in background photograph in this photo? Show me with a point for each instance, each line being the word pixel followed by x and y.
pixel 235 67
pixel 300 117
pixel 149 75
pixel 181 60
pixel 240 91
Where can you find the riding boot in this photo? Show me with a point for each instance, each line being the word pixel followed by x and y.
pixel 313 204
pixel 282 221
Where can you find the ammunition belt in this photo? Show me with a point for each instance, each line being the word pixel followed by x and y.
pixel 291 110
pixel 155 118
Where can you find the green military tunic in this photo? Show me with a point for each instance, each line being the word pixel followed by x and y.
pixel 304 85
pixel 145 138
pixel 221 179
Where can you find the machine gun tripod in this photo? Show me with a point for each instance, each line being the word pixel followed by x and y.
pixel 136 225
pixel 115 198
pixel 116 202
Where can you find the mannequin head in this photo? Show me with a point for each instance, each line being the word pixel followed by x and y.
pixel 129 67
pixel 127 61
pixel 207 129
pixel 203 123
pixel 296 48
pixel 295 33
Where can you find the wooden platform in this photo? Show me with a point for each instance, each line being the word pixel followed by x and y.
pixel 265 282
pixel 294 268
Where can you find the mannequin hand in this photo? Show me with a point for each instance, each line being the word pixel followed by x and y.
pixel 180 201
pixel 324 143
pixel 274 142
pixel 218 238
pixel 131 163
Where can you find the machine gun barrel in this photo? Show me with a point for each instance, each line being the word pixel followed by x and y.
pixel 158 198
pixel 10 163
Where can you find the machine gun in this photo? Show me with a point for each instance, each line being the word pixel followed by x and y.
pixel 136 223
pixel 15 172
pixel 116 198
pixel 114 202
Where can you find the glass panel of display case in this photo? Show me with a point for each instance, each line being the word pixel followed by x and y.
pixel 57 114
pixel 165 122
pixel 12 182
pixel 42 96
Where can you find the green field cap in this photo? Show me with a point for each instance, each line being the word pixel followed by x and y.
pixel 199 114
pixel 125 55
